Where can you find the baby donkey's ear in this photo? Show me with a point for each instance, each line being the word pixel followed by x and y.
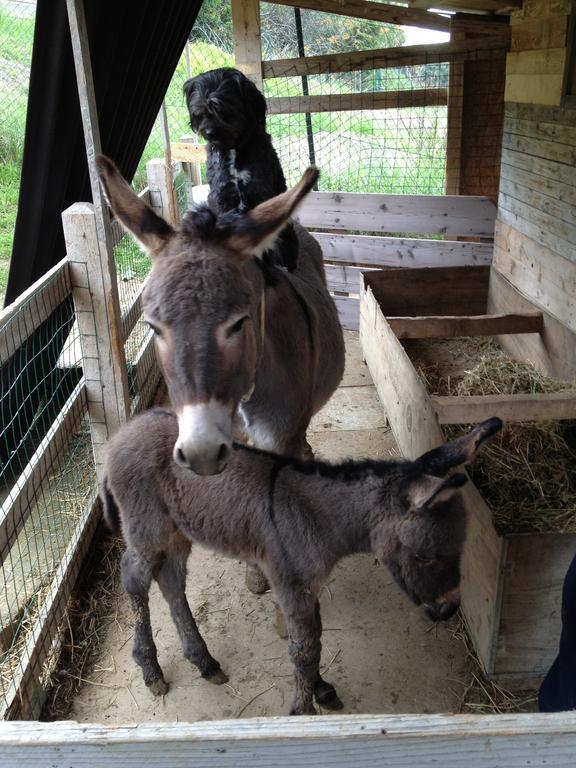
pixel 462 450
pixel 427 492
pixel 255 232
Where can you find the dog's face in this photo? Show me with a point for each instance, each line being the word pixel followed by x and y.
pixel 225 106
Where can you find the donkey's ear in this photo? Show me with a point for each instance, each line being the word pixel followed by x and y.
pixel 460 451
pixel 429 492
pixel 149 229
pixel 256 231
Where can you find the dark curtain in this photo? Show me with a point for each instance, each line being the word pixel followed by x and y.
pixel 135 47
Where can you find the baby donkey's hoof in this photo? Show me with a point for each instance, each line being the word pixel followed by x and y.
pixel 159 686
pixel 214 674
pixel 326 696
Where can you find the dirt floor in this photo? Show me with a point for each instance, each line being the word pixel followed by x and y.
pixel 380 651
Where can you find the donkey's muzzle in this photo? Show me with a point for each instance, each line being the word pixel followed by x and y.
pixel 445 607
pixel 204 439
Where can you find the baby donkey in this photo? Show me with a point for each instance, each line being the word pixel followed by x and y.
pixel 293 519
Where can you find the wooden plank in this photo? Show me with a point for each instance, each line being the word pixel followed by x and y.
pixel 473 409
pixel 402 252
pixel 539 226
pixel 364 9
pixel 385 58
pixel 339 741
pixel 445 326
pixel 548 204
pixel 546 278
pixel 99 251
pixel 560 116
pixel 26 694
pixel 185 152
pixel 535 88
pixel 531 601
pixel 541 168
pixel 553 351
pixel 348 311
pixel 132 313
pixel 416 429
pixel 418 214
pixel 341 102
pixel 554 188
pixel 19 320
pixel 437 291
pixel 539 33
pixel 25 492
pixel 247 39
pixel 350 409
pixel 344 278
pixel 454 118
pixel 145 360
pixel 549 61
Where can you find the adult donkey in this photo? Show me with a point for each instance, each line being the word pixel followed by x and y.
pixel 232 335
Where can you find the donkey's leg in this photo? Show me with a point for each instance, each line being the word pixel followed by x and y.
pixel 324 692
pixel 171 577
pixel 136 579
pixel 304 648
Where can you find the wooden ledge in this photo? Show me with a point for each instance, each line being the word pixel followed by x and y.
pixel 449 326
pixel 472 409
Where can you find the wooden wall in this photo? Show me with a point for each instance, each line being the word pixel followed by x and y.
pixel 535 238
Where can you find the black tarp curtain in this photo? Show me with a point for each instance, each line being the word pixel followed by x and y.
pixel 135 46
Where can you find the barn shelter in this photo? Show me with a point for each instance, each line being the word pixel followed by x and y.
pixel 445 210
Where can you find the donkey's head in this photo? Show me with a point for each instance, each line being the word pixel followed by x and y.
pixel 204 301
pixel 423 554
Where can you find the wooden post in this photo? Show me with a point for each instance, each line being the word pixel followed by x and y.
pixel 161 186
pixel 103 283
pixel 107 396
pixel 172 209
pixel 455 117
pixel 247 39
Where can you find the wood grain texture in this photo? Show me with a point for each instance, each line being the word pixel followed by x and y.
pixel 246 35
pixel 348 311
pixel 537 34
pixel 402 252
pixel 360 741
pixel 446 326
pixel 531 601
pixel 344 102
pixel 418 214
pixel 473 409
pixel 553 352
pixel 438 291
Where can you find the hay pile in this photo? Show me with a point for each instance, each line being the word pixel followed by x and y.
pixel 527 475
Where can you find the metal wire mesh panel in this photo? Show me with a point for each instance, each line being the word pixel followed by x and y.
pixel 16 35
pixel 47 486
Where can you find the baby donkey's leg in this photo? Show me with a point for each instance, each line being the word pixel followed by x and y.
pixel 171 577
pixel 304 648
pixel 324 692
pixel 136 579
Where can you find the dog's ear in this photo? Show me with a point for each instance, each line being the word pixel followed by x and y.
pixel 252 97
pixel 147 228
pixel 256 231
pixel 188 89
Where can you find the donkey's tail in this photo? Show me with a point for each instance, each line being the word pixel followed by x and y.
pixel 110 508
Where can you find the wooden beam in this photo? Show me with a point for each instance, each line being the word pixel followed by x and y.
pixel 385 58
pixel 19 320
pixel 425 97
pixel 455 118
pixel 365 741
pixel 185 152
pixel 420 214
pixel 363 9
pixel 469 6
pixel 247 39
pixel 473 409
pixel 103 279
pixel 26 490
pixel 365 250
pixel 445 326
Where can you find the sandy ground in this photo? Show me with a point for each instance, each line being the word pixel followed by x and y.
pixel 380 651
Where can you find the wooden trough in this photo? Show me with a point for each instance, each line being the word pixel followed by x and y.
pixel 511 584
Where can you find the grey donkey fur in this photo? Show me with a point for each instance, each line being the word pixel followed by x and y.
pixel 293 519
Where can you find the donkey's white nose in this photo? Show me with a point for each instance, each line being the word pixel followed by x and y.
pixel 204 437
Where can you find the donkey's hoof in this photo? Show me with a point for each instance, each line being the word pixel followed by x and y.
pixel 256 582
pixel 325 694
pixel 280 623
pixel 218 678
pixel 159 687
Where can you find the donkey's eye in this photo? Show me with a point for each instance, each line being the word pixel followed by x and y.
pixel 236 327
pixel 424 560
pixel 155 329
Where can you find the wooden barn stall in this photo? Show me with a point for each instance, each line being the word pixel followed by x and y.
pixel 358 233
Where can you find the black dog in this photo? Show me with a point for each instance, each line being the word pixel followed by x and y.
pixel 229 111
